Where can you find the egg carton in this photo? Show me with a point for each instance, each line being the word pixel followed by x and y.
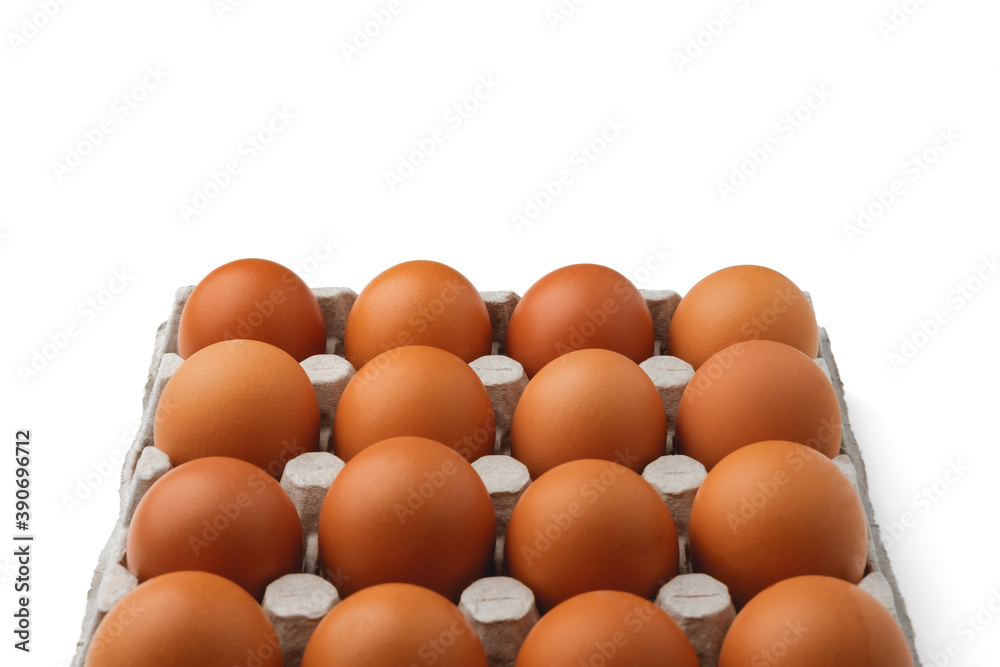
pixel 500 608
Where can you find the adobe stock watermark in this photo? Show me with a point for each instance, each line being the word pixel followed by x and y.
pixel 786 128
pixel 910 172
pixel 228 513
pixel 121 108
pixel 581 159
pixel 365 33
pixel 32 24
pixel 705 37
pixel 418 322
pixel 971 627
pixel 561 12
pixel 608 646
pixel 453 119
pixel 109 467
pixel 956 300
pixel 218 180
pixel 223 8
pixel 923 501
pixel 790 638
pixel 899 16
pixel 655 260
pixel 85 313
pixel 432 650
pixel 579 334
pixel 766 490
pixel 125 616
pixel 325 248
pixel 417 496
pixel 590 493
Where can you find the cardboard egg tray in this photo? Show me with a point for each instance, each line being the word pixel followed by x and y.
pixel 500 608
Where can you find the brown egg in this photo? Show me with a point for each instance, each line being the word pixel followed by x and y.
pixel 590 525
pixel 589 404
pixel 576 307
pixel 418 303
pixel 254 299
pixel 774 510
pixel 608 628
pixel 815 621
pixel 754 391
pixel 407 510
pixel 737 304
pixel 195 619
pixel 420 391
pixel 394 624
pixel 218 515
pixel 239 398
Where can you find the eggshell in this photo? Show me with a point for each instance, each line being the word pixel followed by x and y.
pixel 239 398
pixel 774 510
pixel 590 525
pixel 218 515
pixel 195 619
pixel 418 303
pixel 407 510
pixel 741 303
pixel 608 628
pixel 394 624
pixel 589 404
pixel 815 621
pixel 576 307
pixel 755 391
pixel 254 299
pixel 415 390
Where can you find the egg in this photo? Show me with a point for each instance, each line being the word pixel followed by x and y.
pixel 774 510
pixel 815 621
pixel 589 404
pixel 741 303
pixel 590 525
pixel 577 307
pixel 754 391
pixel 239 398
pixel 218 515
pixel 408 510
pixel 418 303
pixel 420 391
pixel 254 299
pixel 394 624
pixel 608 628
pixel 195 619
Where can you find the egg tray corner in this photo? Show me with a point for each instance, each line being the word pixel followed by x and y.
pixel 501 609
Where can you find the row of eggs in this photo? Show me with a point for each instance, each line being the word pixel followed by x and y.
pixel 589 420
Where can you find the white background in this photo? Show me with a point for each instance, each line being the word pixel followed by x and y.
pixel 654 190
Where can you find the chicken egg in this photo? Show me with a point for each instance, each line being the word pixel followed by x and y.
pixel 418 303
pixel 590 525
pixel 394 624
pixel 608 628
pixel 238 398
pixel 420 391
pixel 741 303
pixel 218 515
pixel 408 510
pixel 577 307
pixel 754 391
pixel 815 621
pixel 256 299
pixel 589 404
pixel 774 510
pixel 195 619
